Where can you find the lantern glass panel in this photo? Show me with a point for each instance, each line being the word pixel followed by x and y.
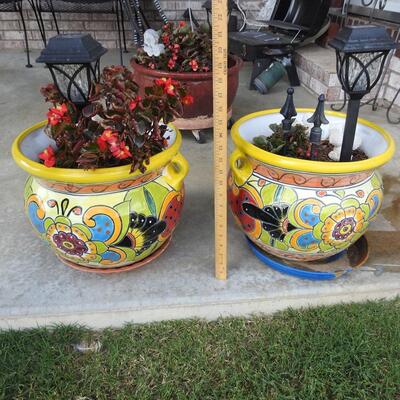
pixel 72 81
pixel 360 72
pixel 75 80
pixel 361 66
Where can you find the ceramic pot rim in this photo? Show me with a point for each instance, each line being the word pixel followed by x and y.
pixel 99 175
pixel 308 165
pixel 185 76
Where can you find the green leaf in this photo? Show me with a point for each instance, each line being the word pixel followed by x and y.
pixel 47 222
pixel 100 246
pixel 63 220
pixel 150 202
pixel 123 210
pixel 340 193
pixel 28 188
pixel 83 228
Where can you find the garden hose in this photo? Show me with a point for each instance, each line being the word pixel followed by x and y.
pixel 160 11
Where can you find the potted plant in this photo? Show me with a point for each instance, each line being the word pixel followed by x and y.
pixel 303 191
pixel 106 178
pixel 178 53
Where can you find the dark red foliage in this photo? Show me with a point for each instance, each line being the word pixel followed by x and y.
pixel 118 126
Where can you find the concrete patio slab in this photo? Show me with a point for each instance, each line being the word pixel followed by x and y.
pixel 36 289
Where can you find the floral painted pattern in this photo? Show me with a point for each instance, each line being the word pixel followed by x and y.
pixel 344 224
pixel 274 219
pixel 304 222
pixel 99 235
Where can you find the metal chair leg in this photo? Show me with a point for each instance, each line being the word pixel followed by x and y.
pixel 132 20
pixel 39 19
pixel 340 108
pixel 119 33
pixel 53 13
pixel 389 118
pixel 18 6
pixel 123 27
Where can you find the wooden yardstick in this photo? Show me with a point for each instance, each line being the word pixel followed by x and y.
pixel 220 91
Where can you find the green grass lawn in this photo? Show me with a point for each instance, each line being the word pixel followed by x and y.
pixel 339 352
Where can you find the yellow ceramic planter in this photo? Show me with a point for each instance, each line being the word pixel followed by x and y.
pixel 301 209
pixel 105 219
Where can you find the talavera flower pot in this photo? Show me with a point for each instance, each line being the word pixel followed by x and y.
pixel 300 209
pixel 107 219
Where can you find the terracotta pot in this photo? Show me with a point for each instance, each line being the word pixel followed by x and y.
pixel 300 209
pixel 105 219
pixel 199 85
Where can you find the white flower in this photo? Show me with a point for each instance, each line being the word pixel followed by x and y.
pixel 336 137
pixel 151 43
pixel 335 153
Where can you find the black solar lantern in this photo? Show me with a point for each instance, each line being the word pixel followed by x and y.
pixel 74 63
pixel 361 52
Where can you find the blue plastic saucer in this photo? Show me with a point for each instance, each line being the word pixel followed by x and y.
pixel 280 266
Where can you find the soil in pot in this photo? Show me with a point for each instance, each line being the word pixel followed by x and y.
pixel 299 145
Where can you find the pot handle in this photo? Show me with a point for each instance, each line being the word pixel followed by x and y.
pixel 175 172
pixel 240 166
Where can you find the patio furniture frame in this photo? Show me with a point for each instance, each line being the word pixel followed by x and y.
pixel 294 23
pixel 16 6
pixel 82 6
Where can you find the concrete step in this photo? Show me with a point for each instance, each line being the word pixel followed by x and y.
pixel 316 67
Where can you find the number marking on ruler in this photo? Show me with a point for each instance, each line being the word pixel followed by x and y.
pixel 220 91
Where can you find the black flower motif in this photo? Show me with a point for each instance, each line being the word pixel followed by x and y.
pixel 143 232
pixel 273 218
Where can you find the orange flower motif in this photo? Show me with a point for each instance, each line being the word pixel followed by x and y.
pixel 48 156
pixel 58 114
pixel 187 100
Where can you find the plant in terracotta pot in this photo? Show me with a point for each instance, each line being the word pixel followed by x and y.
pixel 178 53
pixel 290 189
pixel 106 185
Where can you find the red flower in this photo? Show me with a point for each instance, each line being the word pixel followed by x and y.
pixel 205 68
pixel 171 63
pixel 194 65
pixel 160 82
pixel 165 39
pixel 188 99
pixel 58 114
pixel 169 85
pixel 182 24
pixel 102 144
pixel 121 151
pixel 176 47
pixel 107 138
pixel 133 103
pixel 48 156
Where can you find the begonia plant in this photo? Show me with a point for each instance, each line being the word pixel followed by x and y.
pixel 117 126
pixel 177 48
